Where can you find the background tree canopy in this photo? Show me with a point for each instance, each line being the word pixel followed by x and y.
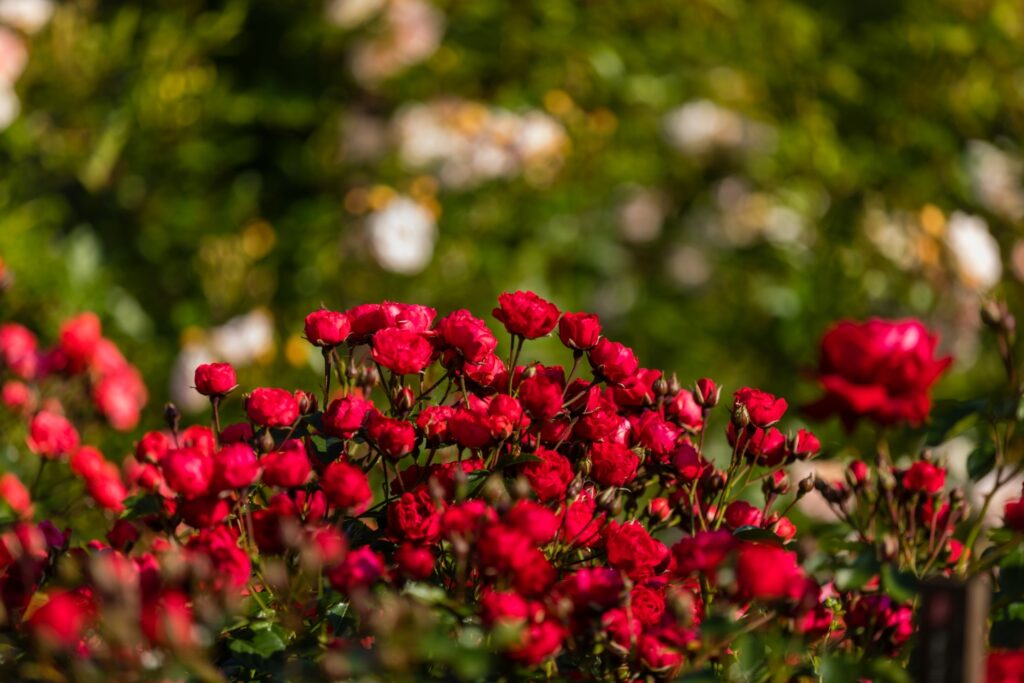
pixel 719 180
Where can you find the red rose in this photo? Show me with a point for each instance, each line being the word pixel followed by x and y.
pixel 550 476
pixel 414 562
pixel 215 379
pixel 880 370
pixel 16 495
pixel 50 435
pixel 659 509
pixel 18 350
pixel 327 328
pixel 612 464
pixel 17 396
pixel 656 434
pixel 152 447
pixel 632 550
pixel 414 317
pixel 469 428
pixel 489 373
pixel 741 513
pixel 613 361
pixel 1013 515
pixel 404 352
pixel 526 314
pixel 187 472
pixel 763 408
pixel 119 397
pixel 79 338
pixel 685 410
pixel 767 572
pixel 235 466
pixel 703 552
pixel 579 331
pixel 924 477
pixel 415 517
pixel 433 422
pixel 707 392
pixel 688 463
pixel 539 642
pixel 346 415
pixel 805 445
pixel 767 447
pixel 638 389
pixel 394 438
pixel 204 513
pixel 346 487
pixel 287 467
pixel 272 407
pixel 63 618
pixel 466 335
pixel 534 520
pixel 504 607
pixel 87 462
pixel 648 604
pixel 541 394
pixel 360 569
pixel 1004 667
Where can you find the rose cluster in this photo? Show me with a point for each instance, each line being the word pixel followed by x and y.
pixel 534 518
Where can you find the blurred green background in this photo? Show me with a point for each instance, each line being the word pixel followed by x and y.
pixel 718 179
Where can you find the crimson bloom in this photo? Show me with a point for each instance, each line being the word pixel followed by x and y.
pixel 879 370
pixel 327 328
pixel 401 351
pixel 526 314
pixel 272 407
pixel 215 379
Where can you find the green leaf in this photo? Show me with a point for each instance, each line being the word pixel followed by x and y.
pixel 757 535
pixel 863 569
pixel 142 505
pixel 981 461
pixel 900 586
pixel 262 639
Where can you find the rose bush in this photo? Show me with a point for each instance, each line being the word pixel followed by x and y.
pixel 443 512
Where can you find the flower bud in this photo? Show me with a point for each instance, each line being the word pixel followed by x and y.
pixel 707 393
pixel 660 509
pixel 660 387
pixel 674 387
pixel 172 416
pixel 741 417
pixel 805 486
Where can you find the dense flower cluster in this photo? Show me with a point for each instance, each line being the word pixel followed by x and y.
pixel 536 518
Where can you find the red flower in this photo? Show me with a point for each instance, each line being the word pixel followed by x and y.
pixel 526 314
pixel 1013 515
pixel 414 561
pixel 541 394
pixel 741 513
pixel 287 467
pixel 404 352
pixel 534 520
pixel 466 335
pixel 51 435
pixel 685 410
pixel 346 415
pixel 1004 667
pixel 327 328
pixel 632 550
pixel 108 490
pixel 703 552
pixel 414 517
pixel 707 392
pixel 18 350
pixel 469 428
pixel 579 331
pixel 394 438
pixel 688 463
pixel 924 477
pixel 346 487
pixel 16 495
pixel 79 338
pixel 612 464
pixel 434 422
pixel 187 471
pixel 272 407
pixel 235 466
pixel 763 408
pixel 215 379
pixel 17 396
pixel 360 569
pixel 550 476
pixel 540 641
pixel 613 361
pixel 120 396
pixel 880 370
pixel 63 618
pixel 505 608
pixel 767 572
pixel 805 445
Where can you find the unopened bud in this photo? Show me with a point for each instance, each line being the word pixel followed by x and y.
pixel 660 387
pixel 265 443
pixel 674 387
pixel 307 402
pixel 172 416
pixel 740 417
pixel 805 486
pixel 707 394
pixel 404 399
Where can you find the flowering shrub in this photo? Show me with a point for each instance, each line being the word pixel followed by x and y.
pixel 434 510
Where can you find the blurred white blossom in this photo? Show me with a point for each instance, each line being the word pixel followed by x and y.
pixel 996 179
pixel 402 235
pixel 469 143
pixel 975 251
pixel 642 214
pixel 26 15
pixel 701 126
pixel 411 32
